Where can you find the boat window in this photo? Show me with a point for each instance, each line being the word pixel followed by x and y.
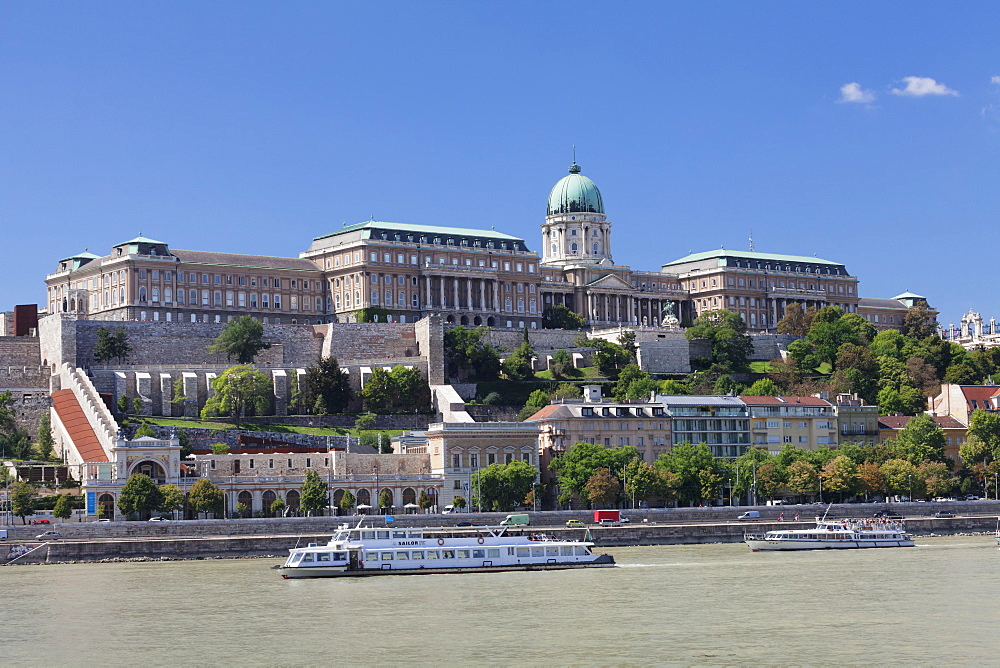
pixel 432 554
pixel 387 556
pixel 308 557
pixel 415 534
pixel 552 551
pixel 566 550
pixel 323 556
pixel 402 556
pixel 296 558
pixel 447 554
pixel 493 552
pixel 524 552
pixel 418 555
pixel 479 554
pixel 382 535
pixel 371 556
pixel 538 551
pixel 399 534
pixel 367 535
pixel 463 554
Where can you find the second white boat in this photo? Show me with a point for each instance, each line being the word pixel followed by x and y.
pixel 834 535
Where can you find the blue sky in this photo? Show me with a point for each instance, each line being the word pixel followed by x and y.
pixel 865 133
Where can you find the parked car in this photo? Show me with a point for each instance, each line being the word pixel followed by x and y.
pixel 944 513
pixel 37 522
pixel 159 519
pixel 624 520
pixel 575 523
pixel 47 535
pixel 750 515
pixel 104 519
pixel 888 516
pixel 464 524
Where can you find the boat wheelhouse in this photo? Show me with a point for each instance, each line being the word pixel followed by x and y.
pixel 834 535
pixel 364 551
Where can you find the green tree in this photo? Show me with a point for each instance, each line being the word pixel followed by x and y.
pixel 8 417
pixel 764 387
pixel 871 480
pixel 17 443
pixel 840 476
pixel 144 430
pixel 634 383
pixel 111 345
pixel 769 480
pixel 517 366
pixel 384 500
pixel 184 440
pixel 459 502
pixel 921 440
pixel 365 421
pixel 242 510
pixel 22 499
pixel 45 440
pixel 627 342
pixel 277 508
pixel 205 497
pixel 687 461
pixel 919 321
pixel 425 500
pixel 140 496
pixel 396 391
pixel 502 487
pixel 313 493
pixel 219 448
pixel 537 400
pixel 937 478
pixel 242 338
pixel 560 317
pixel 642 482
pixel 900 476
pixel 803 478
pixel 580 461
pixel 984 426
pixel 561 366
pixel 724 384
pixel 603 488
pixel 726 333
pixel 609 358
pixel 173 498
pixel 63 508
pixel 327 384
pixel 467 351
pixel 239 391
pixel 674 387
pixel 796 321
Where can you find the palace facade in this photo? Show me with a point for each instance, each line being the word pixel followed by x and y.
pixel 402 272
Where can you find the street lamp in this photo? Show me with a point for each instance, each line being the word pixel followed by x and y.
pixel 377 498
pixel 821 489
pixel 910 476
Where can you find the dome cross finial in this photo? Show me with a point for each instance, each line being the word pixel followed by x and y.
pixel 574 168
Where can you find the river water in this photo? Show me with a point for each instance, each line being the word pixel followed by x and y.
pixel 697 604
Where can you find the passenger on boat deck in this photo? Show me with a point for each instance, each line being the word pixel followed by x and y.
pixel 796 517
pixel 781 517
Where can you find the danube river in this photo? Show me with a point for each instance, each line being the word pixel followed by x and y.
pixel 699 604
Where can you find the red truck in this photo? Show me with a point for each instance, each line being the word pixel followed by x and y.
pixel 608 517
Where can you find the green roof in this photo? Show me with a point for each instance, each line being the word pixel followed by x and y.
pixel 575 193
pixel 85 255
pixel 141 240
pixel 420 229
pixel 909 295
pixel 752 255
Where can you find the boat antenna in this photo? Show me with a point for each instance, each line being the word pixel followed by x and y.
pixel 827 510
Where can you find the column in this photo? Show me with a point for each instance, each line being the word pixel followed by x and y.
pixel 429 293
pixel 441 305
pixel 482 294
pixel 455 287
pixel 496 296
pixel 468 294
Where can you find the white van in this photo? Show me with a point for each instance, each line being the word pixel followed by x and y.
pixel 750 515
pixel 3 534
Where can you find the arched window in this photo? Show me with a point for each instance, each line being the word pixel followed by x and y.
pixel 506 304
pixel 292 500
pixel 574 248
pixel 374 297
pixel 409 496
pixel 337 300
pixel 142 294
pixel 122 296
pixel 555 249
pixel 597 248
pixel 267 500
pixel 388 297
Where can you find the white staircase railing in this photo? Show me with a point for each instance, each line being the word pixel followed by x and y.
pixel 98 415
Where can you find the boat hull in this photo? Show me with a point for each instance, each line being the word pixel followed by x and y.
pixel 315 572
pixel 758 545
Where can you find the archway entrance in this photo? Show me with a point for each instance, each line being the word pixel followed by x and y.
pixel 106 507
pixel 152 469
pixel 267 499
pixel 244 504
pixel 292 501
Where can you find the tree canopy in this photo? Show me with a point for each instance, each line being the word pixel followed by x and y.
pixel 239 391
pixel 502 487
pixel 726 333
pixel 111 345
pixel 467 351
pixel 140 496
pixel 610 358
pixel 313 493
pixel 326 386
pixel 561 317
pixel 242 338
pixel 581 461
pixel 22 499
pixel 396 391
pixel 205 497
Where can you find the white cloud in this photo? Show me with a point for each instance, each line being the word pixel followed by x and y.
pixel 852 92
pixel 922 86
pixel 995 80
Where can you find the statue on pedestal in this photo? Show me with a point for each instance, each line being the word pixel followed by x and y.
pixel 669 319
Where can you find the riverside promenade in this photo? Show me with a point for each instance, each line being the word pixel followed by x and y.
pixel 201 539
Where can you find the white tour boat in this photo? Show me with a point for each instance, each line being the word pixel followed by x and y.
pixel 834 535
pixel 363 551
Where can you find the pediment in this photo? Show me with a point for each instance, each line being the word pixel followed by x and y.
pixel 610 282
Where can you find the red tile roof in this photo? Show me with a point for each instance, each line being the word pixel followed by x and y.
pixel 899 421
pixel 548 412
pixel 784 401
pixel 980 393
pixel 75 421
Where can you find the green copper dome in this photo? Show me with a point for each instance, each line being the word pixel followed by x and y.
pixel 575 194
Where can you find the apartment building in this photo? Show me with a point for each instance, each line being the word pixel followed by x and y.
pixel 808 423
pixel 857 422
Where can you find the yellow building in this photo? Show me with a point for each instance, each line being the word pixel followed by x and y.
pixel 808 423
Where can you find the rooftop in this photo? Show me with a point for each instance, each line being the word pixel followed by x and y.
pixel 419 229
pixel 751 255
